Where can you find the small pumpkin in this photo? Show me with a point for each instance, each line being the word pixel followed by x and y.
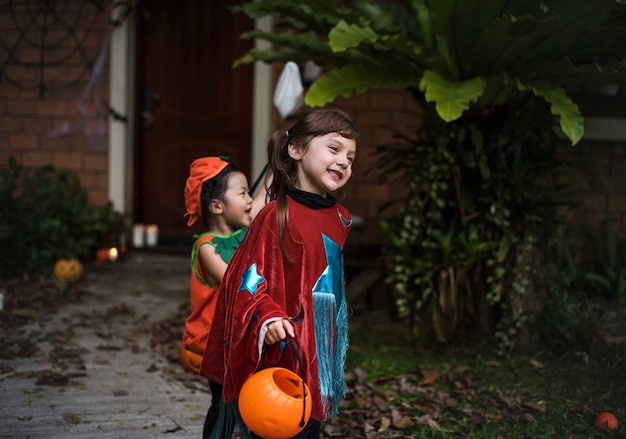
pixel 190 360
pixel 68 270
pixel 275 403
pixel 102 255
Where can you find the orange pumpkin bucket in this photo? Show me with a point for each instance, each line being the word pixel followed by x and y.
pixel 190 360
pixel 275 403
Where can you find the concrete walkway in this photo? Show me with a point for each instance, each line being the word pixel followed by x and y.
pixel 96 372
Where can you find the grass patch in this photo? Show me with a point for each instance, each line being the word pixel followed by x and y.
pixel 400 388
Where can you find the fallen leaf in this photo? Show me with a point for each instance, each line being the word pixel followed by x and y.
pixel 537 364
pixel 493 416
pixel 385 422
pixel 429 377
pixel 360 374
pixel 333 430
pixel 539 406
pixel 460 385
pixel 508 400
pixel 25 312
pixel 102 347
pixel 381 404
pixel 50 378
pixel 435 426
pixel 403 423
pixel 71 418
pixel 406 387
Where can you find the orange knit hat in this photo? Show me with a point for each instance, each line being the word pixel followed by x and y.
pixel 200 171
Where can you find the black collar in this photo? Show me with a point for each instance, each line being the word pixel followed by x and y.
pixel 310 199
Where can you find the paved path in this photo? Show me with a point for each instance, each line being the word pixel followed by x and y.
pixel 109 381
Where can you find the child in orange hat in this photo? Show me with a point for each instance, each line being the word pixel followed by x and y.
pixel 218 193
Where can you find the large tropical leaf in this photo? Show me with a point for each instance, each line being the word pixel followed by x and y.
pixel 354 78
pixel 451 98
pixel 561 105
pixel 461 53
pixel 561 30
pixel 345 36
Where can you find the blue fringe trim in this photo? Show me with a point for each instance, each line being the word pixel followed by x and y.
pixel 324 306
pixel 341 348
pixel 331 340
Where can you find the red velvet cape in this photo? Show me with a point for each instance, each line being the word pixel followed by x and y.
pixel 260 284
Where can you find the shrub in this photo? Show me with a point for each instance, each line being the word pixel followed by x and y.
pixel 45 215
pixel 468 243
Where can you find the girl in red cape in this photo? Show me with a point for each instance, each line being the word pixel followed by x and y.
pixel 286 278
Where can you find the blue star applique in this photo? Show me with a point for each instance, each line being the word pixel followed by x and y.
pixel 250 280
pixel 331 278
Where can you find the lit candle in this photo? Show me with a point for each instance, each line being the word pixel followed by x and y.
pixel 152 235
pixel 113 254
pixel 138 235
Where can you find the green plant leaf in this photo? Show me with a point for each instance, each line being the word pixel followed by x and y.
pixel 423 14
pixel 451 98
pixel 344 36
pixel 561 105
pixel 354 79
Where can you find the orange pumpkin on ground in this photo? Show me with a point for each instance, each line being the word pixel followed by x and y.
pixel 68 270
pixel 102 255
pixel 606 420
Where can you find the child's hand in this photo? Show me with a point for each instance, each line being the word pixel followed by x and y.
pixel 278 330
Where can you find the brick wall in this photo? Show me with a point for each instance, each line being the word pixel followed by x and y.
pixel 31 118
pixel 598 183
pixel 375 113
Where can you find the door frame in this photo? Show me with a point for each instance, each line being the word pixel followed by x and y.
pixel 122 101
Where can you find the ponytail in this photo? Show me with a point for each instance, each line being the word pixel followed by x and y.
pixel 284 169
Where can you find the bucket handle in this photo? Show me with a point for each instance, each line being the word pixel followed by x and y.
pixel 294 344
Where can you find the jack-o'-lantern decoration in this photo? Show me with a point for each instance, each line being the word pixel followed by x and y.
pixel 190 360
pixel 275 403
pixel 68 270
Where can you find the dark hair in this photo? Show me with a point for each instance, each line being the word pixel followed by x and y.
pixel 313 123
pixel 214 189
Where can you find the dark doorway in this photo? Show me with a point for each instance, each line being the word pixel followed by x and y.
pixel 190 103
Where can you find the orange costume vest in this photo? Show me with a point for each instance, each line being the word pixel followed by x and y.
pixel 203 297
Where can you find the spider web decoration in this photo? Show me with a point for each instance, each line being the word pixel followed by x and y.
pixel 47 44
pixel 51 45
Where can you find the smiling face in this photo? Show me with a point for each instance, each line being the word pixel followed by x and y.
pixel 325 164
pixel 236 205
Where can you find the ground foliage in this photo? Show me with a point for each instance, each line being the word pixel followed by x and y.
pixel 398 388
pixel 432 391
pixel 45 215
